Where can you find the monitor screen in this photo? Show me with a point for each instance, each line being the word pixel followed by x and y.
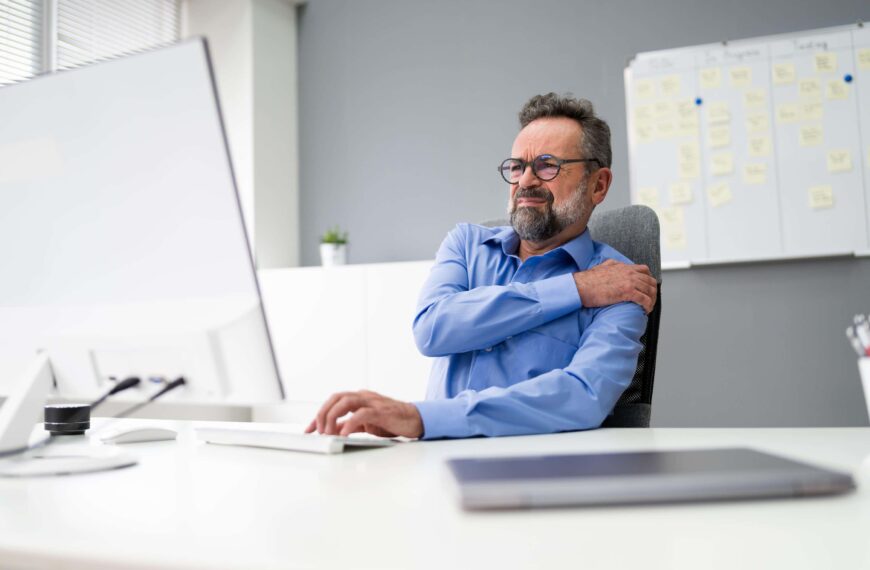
pixel 123 245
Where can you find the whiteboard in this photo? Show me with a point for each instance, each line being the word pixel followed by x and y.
pixel 755 149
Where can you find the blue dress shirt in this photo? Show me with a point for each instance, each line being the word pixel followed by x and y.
pixel 517 352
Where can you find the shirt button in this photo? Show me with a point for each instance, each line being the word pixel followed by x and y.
pixel 508 338
pixel 488 349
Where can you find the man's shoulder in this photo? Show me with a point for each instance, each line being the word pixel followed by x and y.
pixel 473 234
pixel 602 252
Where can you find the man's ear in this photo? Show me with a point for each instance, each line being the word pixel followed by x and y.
pixel 599 183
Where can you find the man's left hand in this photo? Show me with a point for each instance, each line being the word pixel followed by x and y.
pixel 372 413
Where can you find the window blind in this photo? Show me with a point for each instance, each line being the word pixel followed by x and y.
pixel 20 39
pixel 91 30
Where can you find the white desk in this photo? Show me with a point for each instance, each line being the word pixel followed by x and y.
pixel 193 505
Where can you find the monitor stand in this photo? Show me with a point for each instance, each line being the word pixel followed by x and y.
pixel 17 416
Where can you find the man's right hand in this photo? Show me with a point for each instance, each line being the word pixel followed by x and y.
pixel 614 282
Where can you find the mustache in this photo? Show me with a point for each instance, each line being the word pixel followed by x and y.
pixel 540 193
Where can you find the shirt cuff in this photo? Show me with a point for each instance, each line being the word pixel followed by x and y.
pixel 443 418
pixel 558 295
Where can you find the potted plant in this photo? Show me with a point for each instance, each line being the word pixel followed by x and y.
pixel 333 247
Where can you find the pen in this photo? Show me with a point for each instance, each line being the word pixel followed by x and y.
pixel 862 330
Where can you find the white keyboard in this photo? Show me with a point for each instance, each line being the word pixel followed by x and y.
pixel 310 442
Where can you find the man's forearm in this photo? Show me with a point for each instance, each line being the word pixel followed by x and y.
pixel 484 316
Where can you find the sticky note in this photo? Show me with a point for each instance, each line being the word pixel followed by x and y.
pixel 839 160
pixel 718 112
pixel 821 197
pixel 810 135
pixel 719 194
pixel 711 77
pixel 664 129
pixel 664 110
pixel 648 196
pixel 644 132
pixel 810 89
pixel 672 216
pixel 757 123
pixel 687 128
pixel 689 152
pixel 643 113
pixel 759 146
pixel 864 59
pixel 719 136
pixel 810 111
pixel 675 238
pixel 754 98
pixel 686 110
pixel 722 164
pixel 740 76
pixel 837 89
pixel 825 62
pixel 689 169
pixel 755 173
pixel 680 193
pixel 644 88
pixel 783 73
pixel 669 86
pixel 787 113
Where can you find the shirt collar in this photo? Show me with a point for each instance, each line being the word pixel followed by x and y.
pixel 580 248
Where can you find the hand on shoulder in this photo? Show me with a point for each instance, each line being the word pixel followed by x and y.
pixel 615 282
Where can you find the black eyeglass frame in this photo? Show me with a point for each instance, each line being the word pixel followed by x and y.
pixel 559 162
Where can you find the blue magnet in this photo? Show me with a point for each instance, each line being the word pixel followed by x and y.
pixel 698 101
pixel 848 78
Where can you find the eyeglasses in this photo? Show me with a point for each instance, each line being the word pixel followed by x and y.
pixel 546 167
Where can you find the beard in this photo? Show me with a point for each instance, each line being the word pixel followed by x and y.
pixel 541 223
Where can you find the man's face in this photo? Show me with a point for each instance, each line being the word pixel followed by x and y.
pixel 541 209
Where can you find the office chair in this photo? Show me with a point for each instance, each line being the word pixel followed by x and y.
pixel 634 232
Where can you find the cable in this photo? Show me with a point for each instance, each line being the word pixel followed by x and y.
pixel 133 409
pixel 125 384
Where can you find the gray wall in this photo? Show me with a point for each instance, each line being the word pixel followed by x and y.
pixel 406 108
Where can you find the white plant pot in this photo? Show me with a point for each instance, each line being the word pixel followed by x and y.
pixel 332 254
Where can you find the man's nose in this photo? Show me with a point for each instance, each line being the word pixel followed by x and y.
pixel 528 178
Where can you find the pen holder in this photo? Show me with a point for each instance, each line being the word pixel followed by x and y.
pixel 864 369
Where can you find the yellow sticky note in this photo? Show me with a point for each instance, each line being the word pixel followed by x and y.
pixel 643 113
pixel 644 132
pixel 759 146
pixel 757 123
pixel 821 197
pixel 810 89
pixel 787 113
pixel 718 112
pixel 675 238
pixel 711 77
pixel 740 76
pixel 680 193
pixel 719 136
pixel 826 62
pixel 810 111
pixel 719 194
pixel 839 160
pixel 689 152
pixel 686 110
pixel 669 86
pixel 687 128
pixel 664 110
pixel 810 135
pixel 664 129
pixel 648 196
pixel 783 73
pixel 755 173
pixel 864 59
pixel 754 98
pixel 689 169
pixel 837 89
pixel 722 164
pixel 644 88
pixel 673 225
pixel 672 216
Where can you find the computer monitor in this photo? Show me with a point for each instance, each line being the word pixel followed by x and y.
pixel 122 241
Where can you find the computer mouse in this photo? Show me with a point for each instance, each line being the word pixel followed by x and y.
pixel 139 435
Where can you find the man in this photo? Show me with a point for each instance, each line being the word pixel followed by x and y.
pixel 536 328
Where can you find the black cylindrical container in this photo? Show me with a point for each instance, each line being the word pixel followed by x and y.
pixel 67 419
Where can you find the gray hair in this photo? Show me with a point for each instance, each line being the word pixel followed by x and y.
pixel 596 133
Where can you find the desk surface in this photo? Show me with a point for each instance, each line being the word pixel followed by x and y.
pixel 193 505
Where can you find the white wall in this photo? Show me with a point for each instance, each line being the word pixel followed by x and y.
pixel 253 47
